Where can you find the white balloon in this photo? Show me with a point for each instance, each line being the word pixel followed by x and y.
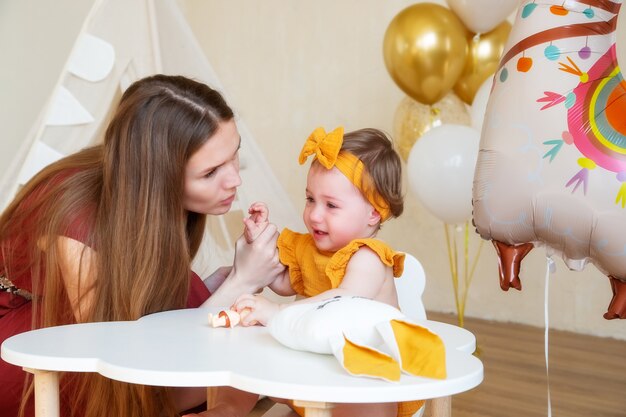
pixel 481 16
pixel 479 105
pixel 440 171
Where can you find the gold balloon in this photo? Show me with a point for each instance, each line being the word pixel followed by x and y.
pixel 413 119
pixel 424 49
pixel 483 58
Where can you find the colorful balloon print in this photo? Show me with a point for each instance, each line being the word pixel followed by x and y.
pixel 551 169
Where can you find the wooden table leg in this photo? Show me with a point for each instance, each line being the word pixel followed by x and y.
pixel 439 407
pixel 211 397
pixel 315 409
pixel 46 393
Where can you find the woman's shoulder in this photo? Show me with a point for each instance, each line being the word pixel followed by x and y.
pixel 65 197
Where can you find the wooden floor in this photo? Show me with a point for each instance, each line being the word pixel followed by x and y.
pixel 587 374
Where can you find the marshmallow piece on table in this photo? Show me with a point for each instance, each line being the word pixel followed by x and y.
pixel 225 318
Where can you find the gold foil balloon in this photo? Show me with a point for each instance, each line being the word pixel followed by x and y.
pixel 413 119
pixel 483 57
pixel 424 49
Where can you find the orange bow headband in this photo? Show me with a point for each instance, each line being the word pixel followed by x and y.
pixel 327 149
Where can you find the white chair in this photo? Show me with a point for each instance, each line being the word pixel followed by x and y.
pixel 410 287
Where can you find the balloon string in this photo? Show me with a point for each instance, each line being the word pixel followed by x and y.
pixel 469 275
pixel 456 278
pixel 465 273
pixel 550 268
pixel 453 271
pixel 460 294
pixel 465 264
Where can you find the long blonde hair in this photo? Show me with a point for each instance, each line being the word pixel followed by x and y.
pixel 125 197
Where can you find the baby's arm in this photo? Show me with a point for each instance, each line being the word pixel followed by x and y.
pixel 254 225
pixel 257 222
pixel 365 274
pixel 282 284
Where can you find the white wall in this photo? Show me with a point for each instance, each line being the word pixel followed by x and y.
pixel 289 66
pixel 36 38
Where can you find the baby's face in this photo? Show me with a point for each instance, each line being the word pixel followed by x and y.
pixel 336 212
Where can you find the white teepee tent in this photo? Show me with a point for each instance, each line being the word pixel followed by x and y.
pixel 120 42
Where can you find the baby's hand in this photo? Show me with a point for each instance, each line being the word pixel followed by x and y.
pixel 261 309
pixel 257 222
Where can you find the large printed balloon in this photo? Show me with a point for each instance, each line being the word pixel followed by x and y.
pixel 479 105
pixel 424 50
pixel 552 164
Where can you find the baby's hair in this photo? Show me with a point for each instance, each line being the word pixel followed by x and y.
pixel 375 150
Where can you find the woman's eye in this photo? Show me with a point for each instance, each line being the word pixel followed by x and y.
pixel 309 199
pixel 210 173
pixel 331 205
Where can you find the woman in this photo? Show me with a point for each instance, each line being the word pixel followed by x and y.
pixel 109 233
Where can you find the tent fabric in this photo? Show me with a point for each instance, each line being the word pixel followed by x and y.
pixel 142 37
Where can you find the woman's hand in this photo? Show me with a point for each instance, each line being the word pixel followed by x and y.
pixel 255 266
pixel 257 222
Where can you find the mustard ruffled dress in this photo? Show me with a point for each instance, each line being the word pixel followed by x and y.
pixel 312 271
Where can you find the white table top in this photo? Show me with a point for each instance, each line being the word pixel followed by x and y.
pixel 179 348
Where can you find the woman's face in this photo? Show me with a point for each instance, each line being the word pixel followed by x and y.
pixel 212 172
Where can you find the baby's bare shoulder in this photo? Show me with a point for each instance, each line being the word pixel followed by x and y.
pixel 366 259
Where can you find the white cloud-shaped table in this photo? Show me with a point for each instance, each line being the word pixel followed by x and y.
pixel 178 348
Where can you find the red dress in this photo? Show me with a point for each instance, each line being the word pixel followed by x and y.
pixel 15 318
